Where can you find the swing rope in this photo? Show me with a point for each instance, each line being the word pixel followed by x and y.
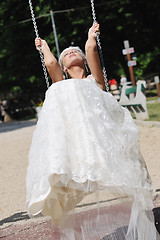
pixel 98 44
pixel 100 48
pixel 40 50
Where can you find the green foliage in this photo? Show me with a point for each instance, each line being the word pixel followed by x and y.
pixel 143 60
pixel 138 21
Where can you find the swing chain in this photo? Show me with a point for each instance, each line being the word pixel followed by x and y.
pixel 40 50
pixel 100 48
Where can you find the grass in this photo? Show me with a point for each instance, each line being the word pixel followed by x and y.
pixel 153 108
pixel 152 99
pixel 151 95
pixel 153 111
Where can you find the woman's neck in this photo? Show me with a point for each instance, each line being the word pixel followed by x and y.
pixel 76 72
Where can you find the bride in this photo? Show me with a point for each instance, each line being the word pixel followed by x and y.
pixel 85 142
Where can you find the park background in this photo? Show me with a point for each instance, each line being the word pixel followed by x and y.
pixel 21 76
pixel 22 82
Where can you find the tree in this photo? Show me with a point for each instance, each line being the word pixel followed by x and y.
pixel 20 69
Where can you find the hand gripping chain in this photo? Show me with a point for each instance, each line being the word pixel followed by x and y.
pixel 40 50
pixel 100 48
pixel 98 44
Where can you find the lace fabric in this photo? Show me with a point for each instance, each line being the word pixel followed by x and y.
pixel 85 142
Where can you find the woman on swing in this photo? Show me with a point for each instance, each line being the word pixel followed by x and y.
pixel 86 142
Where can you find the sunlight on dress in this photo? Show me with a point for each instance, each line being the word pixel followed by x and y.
pixel 85 168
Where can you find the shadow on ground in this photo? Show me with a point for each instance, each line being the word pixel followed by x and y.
pixel 118 234
pixel 44 228
pixel 156 212
pixel 15 218
pixel 119 231
pixel 11 126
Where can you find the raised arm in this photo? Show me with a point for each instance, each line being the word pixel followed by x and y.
pixel 92 56
pixel 51 62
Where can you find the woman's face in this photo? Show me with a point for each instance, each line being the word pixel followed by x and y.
pixel 71 57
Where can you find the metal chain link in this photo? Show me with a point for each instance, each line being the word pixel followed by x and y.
pixel 40 50
pixel 100 48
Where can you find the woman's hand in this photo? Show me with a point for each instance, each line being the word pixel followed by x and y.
pixel 50 61
pixel 92 31
pixel 41 43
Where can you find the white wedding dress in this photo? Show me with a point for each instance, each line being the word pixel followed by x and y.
pixel 86 142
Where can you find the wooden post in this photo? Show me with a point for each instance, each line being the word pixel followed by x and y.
pixel 131 70
pixel 126 46
pixel 156 79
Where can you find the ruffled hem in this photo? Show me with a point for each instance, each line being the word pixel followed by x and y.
pixel 86 142
pixel 64 195
pixel 61 188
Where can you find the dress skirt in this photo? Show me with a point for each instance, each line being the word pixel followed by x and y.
pixel 85 143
